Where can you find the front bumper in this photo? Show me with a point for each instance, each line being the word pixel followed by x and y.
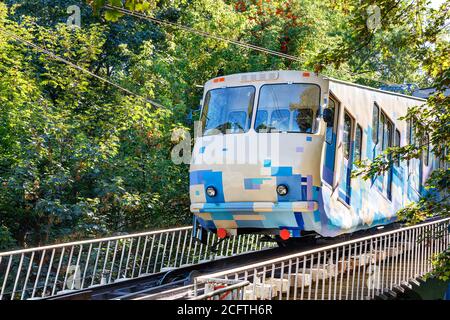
pixel 253 215
pixel 255 207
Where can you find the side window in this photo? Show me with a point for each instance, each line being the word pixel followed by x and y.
pixel 397 142
pixel 347 135
pixel 408 138
pixel 408 132
pixel 330 126
pixel 387 134
pixel 414 165
pixel 358 143
pixel 375 123
pixel 382 126
pixel 426 154
pixel 387 142
pixel 412 135
pixel 346 165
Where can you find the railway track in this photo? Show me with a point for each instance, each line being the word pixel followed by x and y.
pixel 178 283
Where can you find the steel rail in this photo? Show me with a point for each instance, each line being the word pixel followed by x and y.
pixel 89 241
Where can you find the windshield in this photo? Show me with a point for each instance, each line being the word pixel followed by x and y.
pixel 228 110
pixel 287 108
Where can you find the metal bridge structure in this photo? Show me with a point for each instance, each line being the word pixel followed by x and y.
pixel 169 264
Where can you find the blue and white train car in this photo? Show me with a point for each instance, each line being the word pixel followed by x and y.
pixel 271 160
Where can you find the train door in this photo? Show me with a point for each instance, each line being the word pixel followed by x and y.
pixel 347 156
pixel 330 142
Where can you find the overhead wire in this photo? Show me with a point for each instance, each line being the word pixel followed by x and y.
pixel 203 33
pixel 220 38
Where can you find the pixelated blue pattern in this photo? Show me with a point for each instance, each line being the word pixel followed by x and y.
pixel 209 178
pixel 281 171
pixel 293 182
pixel 299 219
pixel 254 183
pixel 282 215
pixel 228 207
pixel 202 150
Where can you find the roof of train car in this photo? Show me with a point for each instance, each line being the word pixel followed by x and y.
pixel 374 89
pixel 330 79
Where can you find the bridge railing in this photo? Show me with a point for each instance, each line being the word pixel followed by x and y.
pixel 380 265
pixel 46 271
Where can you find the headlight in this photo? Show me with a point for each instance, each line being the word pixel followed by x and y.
pixel 282 190
pixel 211 191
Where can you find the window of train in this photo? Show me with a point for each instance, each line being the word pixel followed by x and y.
pixel 414 166
pixel 228 110
pixel 261 120
pixel 358 143
pixel 381 134
pixel 347 135
pixel 330 125
pixel 426 154
pixel 411 133
pixel 375 123
pixel 397 142
pixel 280 120
pixel 287 108
pixel 345 181
pixel 408 139
pixel 387 133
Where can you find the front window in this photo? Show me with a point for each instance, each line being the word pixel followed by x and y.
pixel 287 108
pixel 228 110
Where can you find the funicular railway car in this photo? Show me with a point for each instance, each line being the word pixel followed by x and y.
pixel 277 149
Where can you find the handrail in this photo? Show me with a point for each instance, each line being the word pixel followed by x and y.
pixel 89 241
pixel 45 271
